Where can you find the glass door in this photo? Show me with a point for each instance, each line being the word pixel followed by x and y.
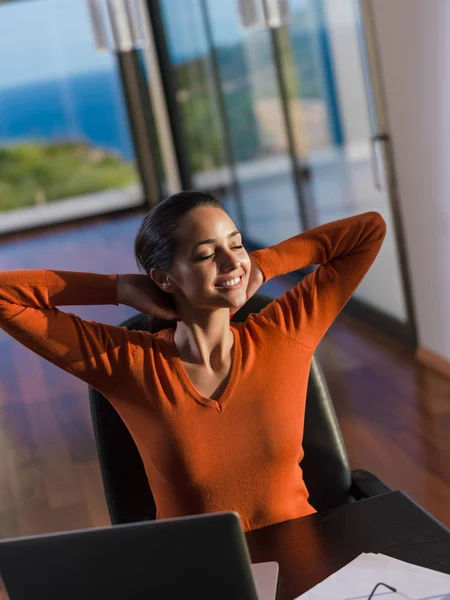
pixel 69 141
pixel 250 85
pixel 196 104
pixel 271 107
pixel 331 97
pixel 227 91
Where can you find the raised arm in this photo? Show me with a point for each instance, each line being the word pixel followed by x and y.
pixel 344 250
pixel 96 353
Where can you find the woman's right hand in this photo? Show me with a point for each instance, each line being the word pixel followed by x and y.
pixel 141 293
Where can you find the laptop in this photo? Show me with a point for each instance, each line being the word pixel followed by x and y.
pixel 199 556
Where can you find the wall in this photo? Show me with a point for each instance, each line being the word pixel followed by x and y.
pixel 414 45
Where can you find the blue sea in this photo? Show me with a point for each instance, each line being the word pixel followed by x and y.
pixel 84 107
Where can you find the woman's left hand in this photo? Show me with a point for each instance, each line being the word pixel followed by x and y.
pixel 255 281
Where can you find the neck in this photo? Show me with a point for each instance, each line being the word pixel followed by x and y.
pixel 206 342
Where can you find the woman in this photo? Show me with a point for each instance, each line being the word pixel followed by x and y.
pixel 216 408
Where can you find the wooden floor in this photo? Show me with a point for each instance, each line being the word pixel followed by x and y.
pixel 394 413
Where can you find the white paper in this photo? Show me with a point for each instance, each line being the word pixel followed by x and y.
pixel 356 581
pixel 406 567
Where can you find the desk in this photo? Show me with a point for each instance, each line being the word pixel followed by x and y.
pixel 310 549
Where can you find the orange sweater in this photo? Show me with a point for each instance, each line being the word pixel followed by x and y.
pixel 243 451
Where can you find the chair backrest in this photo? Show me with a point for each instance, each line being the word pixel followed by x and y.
pixel 129 498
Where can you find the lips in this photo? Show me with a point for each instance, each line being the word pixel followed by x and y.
pixel 229 287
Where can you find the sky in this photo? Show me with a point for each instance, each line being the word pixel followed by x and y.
pixel 44 39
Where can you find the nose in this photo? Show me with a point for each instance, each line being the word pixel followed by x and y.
pixel 231 262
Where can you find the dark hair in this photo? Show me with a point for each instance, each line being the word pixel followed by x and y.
pixel 156 240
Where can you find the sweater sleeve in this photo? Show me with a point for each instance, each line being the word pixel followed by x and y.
pixel 344 250
pixel 96 353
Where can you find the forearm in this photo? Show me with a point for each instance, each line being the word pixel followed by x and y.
pixel 47 289
pixel 358 234
pixel 97 353
pixel 344 251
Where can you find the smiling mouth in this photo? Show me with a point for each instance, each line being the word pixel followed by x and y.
pixel 235 285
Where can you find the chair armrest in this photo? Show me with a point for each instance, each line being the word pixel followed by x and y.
pixel 366 485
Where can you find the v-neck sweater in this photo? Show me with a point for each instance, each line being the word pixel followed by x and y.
pixel 242 452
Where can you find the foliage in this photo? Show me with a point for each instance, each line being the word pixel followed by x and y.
pixel 243 85
pixel 36 173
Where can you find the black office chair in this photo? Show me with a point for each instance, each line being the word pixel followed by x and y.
pixel 326 469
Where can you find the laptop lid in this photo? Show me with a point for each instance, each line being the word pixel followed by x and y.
pixel 200 556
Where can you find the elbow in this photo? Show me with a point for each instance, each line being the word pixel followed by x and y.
pixel 377 223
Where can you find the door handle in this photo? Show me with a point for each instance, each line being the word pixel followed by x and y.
pixel 258 14
pixel 98 25
pixel 125 21
pixel 135 20
pixel 249 13
pixel 276 12
pixel 378 138
pixel 120 25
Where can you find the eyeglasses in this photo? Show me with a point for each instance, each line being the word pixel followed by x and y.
pixel 396 592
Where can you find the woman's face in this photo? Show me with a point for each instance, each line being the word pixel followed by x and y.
pixel 210 251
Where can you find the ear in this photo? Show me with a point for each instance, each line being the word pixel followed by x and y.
pixel 162 280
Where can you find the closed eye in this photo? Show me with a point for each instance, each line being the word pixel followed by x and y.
pixel 211 255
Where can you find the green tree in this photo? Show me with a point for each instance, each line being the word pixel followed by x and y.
pixel 36 173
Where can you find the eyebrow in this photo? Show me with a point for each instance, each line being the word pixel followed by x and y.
pixel 211 241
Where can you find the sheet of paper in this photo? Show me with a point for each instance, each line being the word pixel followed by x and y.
pixel 405 566
pixel 356 581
